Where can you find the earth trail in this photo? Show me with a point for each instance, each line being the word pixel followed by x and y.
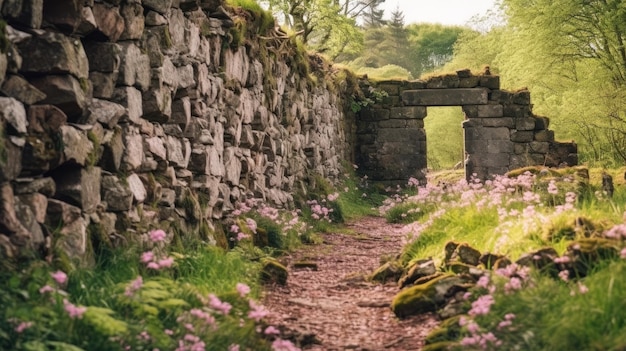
pixel 327 303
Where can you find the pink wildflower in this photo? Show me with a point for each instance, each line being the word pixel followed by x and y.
pixel 514 283
pixel 73 310
pixel 153 265
pixel 562 259
pixel 234 228
pixel 482 305
pixel 483 282
pixel 271 330
pixel 473 327
pixel 59 276
pixel 216 304
pixel 622 253
pixel 283 345
pixel 242 236
pixel 133 286
pixel 251 224
pixel 23 326
pixel 504 324
pixel 147 256
pixel 157 235
pixel 168 332
pixel 243 289
pixel 233 347
pixel 166 262
pixel 583 289
pixel 46 288
pixel 564 275
pixel 257 312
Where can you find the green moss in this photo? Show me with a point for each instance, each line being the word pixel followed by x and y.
pixel 96 152
pixel 273 271
pixel 421 298
pixel 4 41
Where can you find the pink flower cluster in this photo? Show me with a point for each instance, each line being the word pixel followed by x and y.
pixel 133 286
pixel 72 310
pixel 152 262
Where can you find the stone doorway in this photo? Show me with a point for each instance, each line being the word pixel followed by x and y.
pixel 500 131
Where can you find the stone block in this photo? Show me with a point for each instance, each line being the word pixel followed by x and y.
pixel 11 163
pixel 103 84
pixel 156 147
pixel 65 92
pixel 72 236
pixel 542 123
pixel 541 147
pixel 390 87
pixel 28 13
pixel 490 82
pixel 136 188
pixel 134 68
pixel 525 123
pixel 508 122
pixel 486 133
pixel 469 82
pixel 130 98
pixel 445 97
pixel 519 111
pixel 78 186
pixel 392 123
pixel 370 114
pixel 400 135
pixel 134 22
pixel 232 166
pixel 415 123
pixel 109 22
pixel 13 112
pixel 414 84
pixel 494 160
pixel 77 148
pixel 522 136
pixel 103 56
pixel 112 150
pixel 489 146
pixel 408 112
pixel 521 97
pixel 17 87
pixel 544 135
pixel 106 112
pixel 520 148
pixel 69 55
pixel 64 14
pixel 160 6
pixel 116 194
pixel 10 223
pixel 449 81
pixel 157 104
pixel 181 112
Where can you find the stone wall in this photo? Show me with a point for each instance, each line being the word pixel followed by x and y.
pixel 126 115
pixel 500 131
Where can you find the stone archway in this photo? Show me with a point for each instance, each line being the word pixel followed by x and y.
pixel 500 131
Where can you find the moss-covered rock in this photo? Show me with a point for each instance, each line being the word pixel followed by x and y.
pixel 391 270
pixel 448 330
pixel 585 253
pixel 273 271
pixel 419 269
pixel 427 297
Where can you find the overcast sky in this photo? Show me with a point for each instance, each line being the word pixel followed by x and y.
pixel 451 12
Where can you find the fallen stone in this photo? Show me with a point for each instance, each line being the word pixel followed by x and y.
pixel 273 271
pixel 427 297
pixel 419 269
pixel 391 270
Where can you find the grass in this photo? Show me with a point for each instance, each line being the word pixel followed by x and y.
pixel 444 136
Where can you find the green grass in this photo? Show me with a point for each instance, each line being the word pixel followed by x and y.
pixel 444 137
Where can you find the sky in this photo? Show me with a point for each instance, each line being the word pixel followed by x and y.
pixel 449 12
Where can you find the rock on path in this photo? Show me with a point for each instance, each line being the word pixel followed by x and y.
pixel 327 303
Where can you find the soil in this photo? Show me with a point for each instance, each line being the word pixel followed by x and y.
pixel 328 304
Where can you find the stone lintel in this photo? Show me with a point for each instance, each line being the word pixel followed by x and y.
pixel 445 97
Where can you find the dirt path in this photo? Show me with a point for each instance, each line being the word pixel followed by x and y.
pixel 331 307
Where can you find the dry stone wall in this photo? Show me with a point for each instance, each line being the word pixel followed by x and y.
pixel 500 131
pixel 125 115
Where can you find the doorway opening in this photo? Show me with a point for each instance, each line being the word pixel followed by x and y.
pixel 444 138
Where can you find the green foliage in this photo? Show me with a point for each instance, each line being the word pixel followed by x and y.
pixel 444 135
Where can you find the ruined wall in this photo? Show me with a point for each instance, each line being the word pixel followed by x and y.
pixel 127 115
pixel 500 131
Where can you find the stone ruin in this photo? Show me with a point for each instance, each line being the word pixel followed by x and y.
pixel 120 116
pixel 500 131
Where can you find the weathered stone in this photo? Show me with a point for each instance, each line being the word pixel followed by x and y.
pixel 79 186
pixel 156 147
pixel 425 297
pixel 106 112
pixel 419 269
pixel 177 151
pixel 408 112
pixel 491 82
pixel 103 57
pixel 181 112
pixel 489 146
pixel 31 211
pixel 72 236
pixel 116 194
pixel 64 14
pixel 65 92
pixel 112 150
pixel 160 6
pixel 391 270
pixel 486 133
pixel 69 56
pixel 77 147
pixel 19 88
pixel 232 166
pixel 110 23
pixel 521 97
pixel 45 119
pixel 133 153
pixel 273 271
pixel 134 68
pixel 539 147
pixel 522 136
pixel 103 84
pixel 87 22
pixel 9 222
pixel 13 112
pixel 445 97
pixel 130 98
pixel 157 104
pixel 11 162
pixel 136 187
pixel 527 123
pixel 483 111
pixel 25 12
pixel 155 19
pixel 132 13
pixel 443 82
pixel 45 186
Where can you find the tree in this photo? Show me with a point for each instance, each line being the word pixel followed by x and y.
pixel 328 26
pixel 432 46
